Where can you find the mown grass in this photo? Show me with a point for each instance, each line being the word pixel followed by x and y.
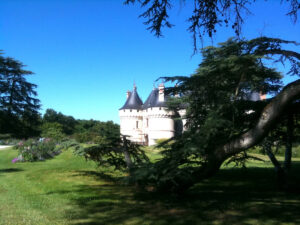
pixel 69 190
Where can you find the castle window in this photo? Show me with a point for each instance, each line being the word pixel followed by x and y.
pixel 124 110
pixel 137 124
pixel 130 110
pixel 159 108
pixel 137 110
pixel 147 122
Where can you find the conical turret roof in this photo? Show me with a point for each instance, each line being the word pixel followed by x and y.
pixel 153 100
pixel 133 101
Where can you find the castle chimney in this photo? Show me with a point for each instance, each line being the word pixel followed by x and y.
pixel 127 94
pixel 161 92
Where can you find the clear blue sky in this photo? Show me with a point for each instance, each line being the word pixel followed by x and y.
pixel 87 53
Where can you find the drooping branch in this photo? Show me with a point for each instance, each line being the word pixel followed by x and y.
pixel 206 15
pixel 268 118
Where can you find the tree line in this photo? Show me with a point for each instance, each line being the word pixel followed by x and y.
pixel 20 117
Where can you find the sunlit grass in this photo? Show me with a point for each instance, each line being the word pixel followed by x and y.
pixel 69 190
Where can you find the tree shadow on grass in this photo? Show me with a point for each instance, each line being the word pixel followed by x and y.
pixel 233 196
pixel 99 175
pixel 10 170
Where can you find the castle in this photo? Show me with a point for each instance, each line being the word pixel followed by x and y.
pixel 144 123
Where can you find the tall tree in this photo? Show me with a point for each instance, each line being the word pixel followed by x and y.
pixel 216 101
pixel 18 103
pixel 222 121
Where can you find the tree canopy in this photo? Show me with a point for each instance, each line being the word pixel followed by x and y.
pixel 18 103
pixel 223 121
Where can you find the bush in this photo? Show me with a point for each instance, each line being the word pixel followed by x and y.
pixel 37 150
pixel 164 143
pixel 53 131
pixel 83 137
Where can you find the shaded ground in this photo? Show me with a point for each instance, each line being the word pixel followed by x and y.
pixel 235 196
pixel 68 190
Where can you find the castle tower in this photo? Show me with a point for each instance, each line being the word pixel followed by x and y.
pixel 159 121
pixel 148 122
pixel 131 117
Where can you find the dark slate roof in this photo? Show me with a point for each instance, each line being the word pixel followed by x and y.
pixel 152 100
pixel 133 101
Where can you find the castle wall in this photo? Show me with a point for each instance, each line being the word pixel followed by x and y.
pixel 131 124
pixel 146 126
pixel 160 124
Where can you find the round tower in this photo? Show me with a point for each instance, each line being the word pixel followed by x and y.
pixel 159 121
pixel 131 117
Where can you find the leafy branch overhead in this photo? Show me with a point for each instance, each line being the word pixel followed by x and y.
pixel 205 17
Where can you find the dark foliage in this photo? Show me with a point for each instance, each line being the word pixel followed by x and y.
pixel 119 153
pixel 219 111
pixel 18 103
pixel 68 123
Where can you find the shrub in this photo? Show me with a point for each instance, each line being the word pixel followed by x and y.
pixel 37 150
pixel 164 143
pixel 83 137
pixel 53 131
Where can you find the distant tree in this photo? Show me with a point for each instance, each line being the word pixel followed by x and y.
pixel 82 130
pixel 18 103
pixel 206 15
pixel 68 123
pixel 95 131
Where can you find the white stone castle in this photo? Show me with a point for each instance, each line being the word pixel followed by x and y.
pixel 147 122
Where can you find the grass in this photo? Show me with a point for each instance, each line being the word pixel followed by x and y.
pixel 69 190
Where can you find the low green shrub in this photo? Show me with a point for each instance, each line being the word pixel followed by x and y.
pixel 161 141
pixel 83 137
pixel 37 150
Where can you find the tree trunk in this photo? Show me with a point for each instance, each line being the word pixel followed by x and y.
pixel 127 155
pixel 289 142
pixel 281 175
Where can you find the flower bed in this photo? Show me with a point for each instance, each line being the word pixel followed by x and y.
pixel 37 150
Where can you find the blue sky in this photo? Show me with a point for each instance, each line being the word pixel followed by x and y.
pixel 87 53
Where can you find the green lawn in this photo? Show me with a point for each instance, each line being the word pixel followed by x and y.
pixel 69 190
